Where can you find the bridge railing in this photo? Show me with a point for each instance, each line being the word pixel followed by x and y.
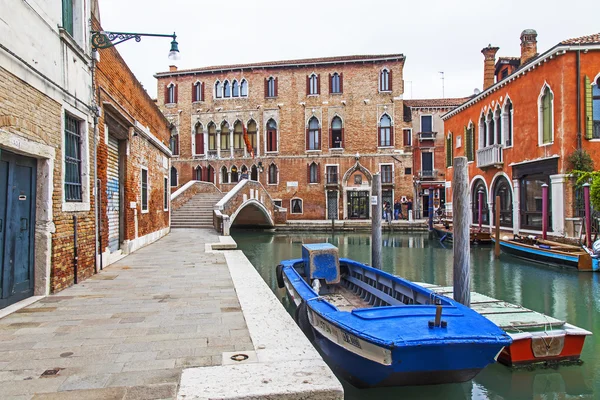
pixel 245 191
pixel 189 190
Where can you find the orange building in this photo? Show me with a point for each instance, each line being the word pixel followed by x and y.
pixel 519 132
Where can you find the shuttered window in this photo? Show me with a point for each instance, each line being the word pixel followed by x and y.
pixel 469 143
pixel 271 135
pixel 67 16
pixel 592 109
pixel 144 189
pixel 449 150
pixel 73 188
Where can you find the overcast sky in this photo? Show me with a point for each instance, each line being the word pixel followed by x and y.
pixel 434 35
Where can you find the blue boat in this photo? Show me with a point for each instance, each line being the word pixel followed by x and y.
pixel 375 329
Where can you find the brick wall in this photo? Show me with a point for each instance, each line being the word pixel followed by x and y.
pixel 360 107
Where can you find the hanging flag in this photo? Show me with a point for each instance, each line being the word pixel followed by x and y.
pixel 247 141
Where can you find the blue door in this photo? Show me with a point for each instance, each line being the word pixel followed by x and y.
pixel 17 215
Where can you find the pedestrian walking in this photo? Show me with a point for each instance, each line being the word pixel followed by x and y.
pixel 397 210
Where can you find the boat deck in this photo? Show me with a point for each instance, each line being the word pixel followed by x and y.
pixel 510 317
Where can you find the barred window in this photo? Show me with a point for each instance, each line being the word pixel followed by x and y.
pixel 166 194
pixel 144 189
pixel 73 188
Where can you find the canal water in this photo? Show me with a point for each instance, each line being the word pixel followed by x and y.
pixel 563 294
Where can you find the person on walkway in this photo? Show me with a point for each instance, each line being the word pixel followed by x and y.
pixel 388 212
pixel 397 210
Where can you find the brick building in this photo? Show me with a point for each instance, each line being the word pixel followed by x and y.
pixel 311 131
pixel 426 136
pixel 133 160
pixel 519 131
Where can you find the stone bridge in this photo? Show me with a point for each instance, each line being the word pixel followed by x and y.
pixel 248 204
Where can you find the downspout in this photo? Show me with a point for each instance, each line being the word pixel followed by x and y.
pixel 96 112
pixel 578 98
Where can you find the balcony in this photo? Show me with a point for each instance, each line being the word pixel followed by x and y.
pixel 427 136
pixel 428 174
pixel 490 156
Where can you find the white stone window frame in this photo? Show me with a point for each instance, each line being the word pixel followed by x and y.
pixel 540 117
pixel 242 95
pixel 393 172
pixel 379 83
pixel 176 175
pixel 167 191
pixel 147 210
pixel 280 202
pixel 84 124
pixel 266 132
pixel 421 122
pixel 316 182
pixel 194 132
pixel 292 206
pixel 392 135
pixel 458 141
pixel 218 90
pixel 337 171
pixel 471 125
pixel 481 131
pixel 505 124
pixel 269 183
pixel 313 91
pixel 171 93
pixel 198 91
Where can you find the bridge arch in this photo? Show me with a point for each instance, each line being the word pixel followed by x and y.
pixel 252 213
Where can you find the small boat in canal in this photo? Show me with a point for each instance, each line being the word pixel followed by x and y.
pixel 477 236
pixel 376 329
pixel 549 252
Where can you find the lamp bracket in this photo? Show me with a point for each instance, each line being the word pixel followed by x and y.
pixel 106 39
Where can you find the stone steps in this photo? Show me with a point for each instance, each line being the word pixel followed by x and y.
pixel 197 213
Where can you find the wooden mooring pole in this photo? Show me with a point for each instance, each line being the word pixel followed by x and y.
pixel 588 215
pixel 544 211
pixel 376 207
pixel 462 245
pixel 497 228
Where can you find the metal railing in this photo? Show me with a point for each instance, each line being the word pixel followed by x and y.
pixel 427 135
pixel 425 173
pixel 489 156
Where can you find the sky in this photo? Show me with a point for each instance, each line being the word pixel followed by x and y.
pixel 434 35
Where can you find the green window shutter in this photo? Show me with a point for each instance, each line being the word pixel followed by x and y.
pixel 451 148
pixel 67 16
pixel 547 117
pixel 447 154
pixel 587 90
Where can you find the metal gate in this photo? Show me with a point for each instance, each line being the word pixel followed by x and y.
pixel 112 194
pixel 17 222
pixel 332 204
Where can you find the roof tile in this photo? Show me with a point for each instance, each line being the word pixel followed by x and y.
pixel 589 39
pixel 452 102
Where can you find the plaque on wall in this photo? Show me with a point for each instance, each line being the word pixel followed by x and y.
pixel 358 179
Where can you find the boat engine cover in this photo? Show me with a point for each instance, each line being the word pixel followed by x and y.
pixel 321 261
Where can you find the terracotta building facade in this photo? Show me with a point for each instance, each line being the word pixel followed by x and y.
pixel 519 132
pixel 312 131
pixel 426 137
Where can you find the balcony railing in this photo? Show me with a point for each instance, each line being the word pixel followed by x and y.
pixel 427 135
pixel 332 178
pixel 428 173
pixel 490 156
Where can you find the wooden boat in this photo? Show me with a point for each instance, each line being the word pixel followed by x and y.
pixel 548 252
pixel 376 329
pixel 537 338
pixel 444 232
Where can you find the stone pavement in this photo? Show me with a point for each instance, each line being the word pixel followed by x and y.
pixel 127 332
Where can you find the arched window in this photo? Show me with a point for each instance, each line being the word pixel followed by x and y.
pixel 546 116
pixel 171 94
pixel 244 88
pixel 173 176
pixel 498 122
pixel 254 173
pixel 385 80
pixel 502 188
pixel 198 173
pixel 252 134
pixel 385 131
pixel 490 129
pixel 479 186
pixel 313 84
pixel 337 133
pixel 198 139
pixel 296 206
pixel 235 89
pixel 273 174
pixel 271 89
pixel 226 89
pixel 212 136
pixel 198 92
pixel 313 133
pixel 234 174
pixel 210 173
pixel 174 142
pixel 218 90
pixel 224 175
pixel 313 173
pixel 224 136
pixel 482 132
pixel 271 135
pixel 238 136
pixel 335 85
pixel 508 126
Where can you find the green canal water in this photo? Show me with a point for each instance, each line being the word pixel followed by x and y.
pixel 564 294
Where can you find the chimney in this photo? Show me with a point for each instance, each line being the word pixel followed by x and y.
pixel 172 67
pixel 489 64
pixel 528 45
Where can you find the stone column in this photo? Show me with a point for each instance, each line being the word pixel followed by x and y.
pixel 205 133
pixel 218 139
pixel 557 187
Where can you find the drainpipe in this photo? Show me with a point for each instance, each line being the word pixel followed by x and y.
pixel 75 253
pixel 578 98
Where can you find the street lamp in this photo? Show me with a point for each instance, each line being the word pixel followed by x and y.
pixel 105 39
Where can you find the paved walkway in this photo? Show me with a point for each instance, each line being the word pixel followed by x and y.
pixel 127 332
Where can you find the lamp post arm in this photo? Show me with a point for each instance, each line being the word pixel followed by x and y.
pixel 105 39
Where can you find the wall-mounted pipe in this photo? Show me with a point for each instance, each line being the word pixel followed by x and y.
pixel 578 100
pixel 75 254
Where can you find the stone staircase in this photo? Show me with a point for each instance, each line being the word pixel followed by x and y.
pixel 197 212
